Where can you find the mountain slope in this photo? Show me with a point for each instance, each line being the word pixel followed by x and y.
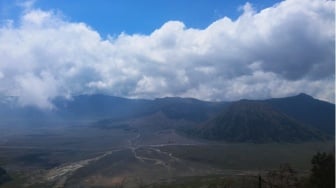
pixel 97 107
pixel 255 121
pixel 115 108
pixel 306 109
pixel 287 119
pixel 188 108
pixel 103 107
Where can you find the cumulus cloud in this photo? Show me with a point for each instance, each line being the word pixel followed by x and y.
pixel 279 51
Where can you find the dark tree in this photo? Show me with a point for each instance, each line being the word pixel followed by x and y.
pixel 323 170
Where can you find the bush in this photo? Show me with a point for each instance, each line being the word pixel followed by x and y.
pixel 323 170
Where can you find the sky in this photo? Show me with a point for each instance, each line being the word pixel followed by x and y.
pixel 210 50
pixel 130 16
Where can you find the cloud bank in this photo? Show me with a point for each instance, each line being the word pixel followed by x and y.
pixel 279 51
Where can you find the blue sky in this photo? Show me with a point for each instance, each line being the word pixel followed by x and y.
pixel 211 50
pixel 138 16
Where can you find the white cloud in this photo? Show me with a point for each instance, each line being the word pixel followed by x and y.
pixel 26 5
pixel 279 51
pixel 36 89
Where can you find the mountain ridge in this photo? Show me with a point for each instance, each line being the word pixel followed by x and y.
pixel 309 117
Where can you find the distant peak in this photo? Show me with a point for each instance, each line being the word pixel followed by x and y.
pixel 304 95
